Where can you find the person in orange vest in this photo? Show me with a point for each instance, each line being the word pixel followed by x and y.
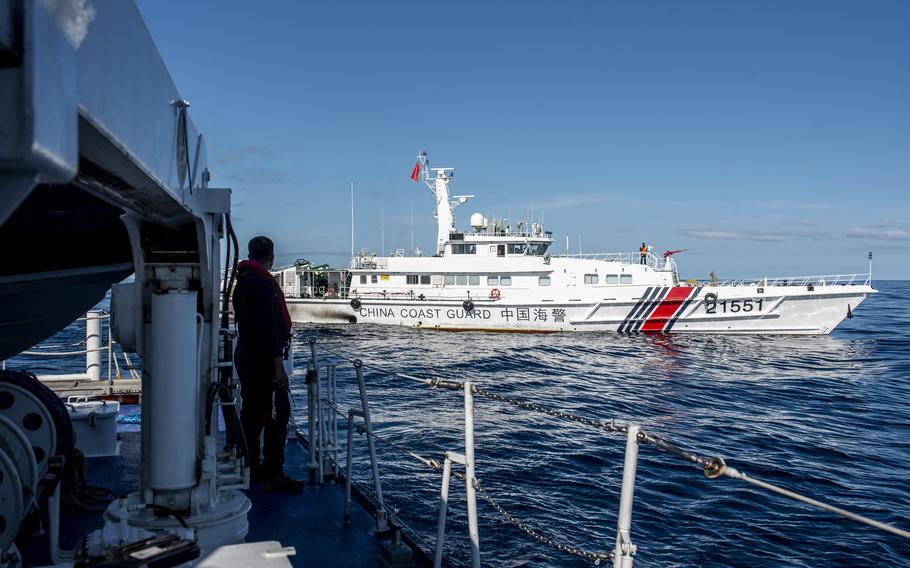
pixel 644 253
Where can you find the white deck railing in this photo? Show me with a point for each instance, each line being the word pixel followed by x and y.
pixel 652 260
pixel 861 279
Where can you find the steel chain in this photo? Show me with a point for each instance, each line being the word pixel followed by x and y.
pixel 608 426
pixel 713 467
pixel 595 557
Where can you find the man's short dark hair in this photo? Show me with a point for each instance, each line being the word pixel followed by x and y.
pixel 261 248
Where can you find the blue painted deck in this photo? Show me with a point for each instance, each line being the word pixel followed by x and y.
pixel 309 521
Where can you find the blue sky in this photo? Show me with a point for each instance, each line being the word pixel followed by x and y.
pixel 767 138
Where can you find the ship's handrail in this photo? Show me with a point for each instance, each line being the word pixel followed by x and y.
pixel 624 551
pixel 858 279
pixel 94 356
pixel 651 259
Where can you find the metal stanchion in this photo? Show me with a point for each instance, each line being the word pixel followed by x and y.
pixel 382 521
pixel 470 478
pixel 624 553
pixel 93 345
pixel 444 506
pixel 350 467
pixel 311 410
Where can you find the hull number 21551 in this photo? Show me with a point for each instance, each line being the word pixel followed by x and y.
pixel 734 306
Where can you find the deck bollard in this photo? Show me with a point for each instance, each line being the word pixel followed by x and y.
pixel 93 345
pixel 382 520
pixel 624 553
pixel 470 478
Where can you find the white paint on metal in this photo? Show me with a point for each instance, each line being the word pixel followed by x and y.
pixel 171 391
pixel 382 523
pixel 443 509
pixel 624 552
pixel 93 345
pixel 470 477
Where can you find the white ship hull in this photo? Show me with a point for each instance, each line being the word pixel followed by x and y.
pixel 677 309
pixel 499 278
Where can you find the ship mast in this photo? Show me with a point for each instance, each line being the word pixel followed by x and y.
pixel 438 184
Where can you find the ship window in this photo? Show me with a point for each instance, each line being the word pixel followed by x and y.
pixel 517 249
pixel 505 280
pixel 473 280
pixel 612 279
pixel 412 279
pixel 461 279
pixel 492 249
pixel 590 279
pixel 492 280
pixel 500 250
pixel 543 281
pixel 538 249
pixel 424 278
pixel 450 279
pixel 363 278
pixel 625 278
pixel 436 279
pixel 374 279
pixel 462 248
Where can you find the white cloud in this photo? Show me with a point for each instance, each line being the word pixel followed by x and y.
pixel 243 153
pixel 802 222
pixel 882 232
pixel 258 174
pixel 718 233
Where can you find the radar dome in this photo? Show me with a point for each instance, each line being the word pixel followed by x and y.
pixel 477 221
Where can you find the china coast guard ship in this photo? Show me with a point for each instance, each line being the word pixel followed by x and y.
pixel 494 278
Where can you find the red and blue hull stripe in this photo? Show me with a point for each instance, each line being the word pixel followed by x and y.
pixel 658 309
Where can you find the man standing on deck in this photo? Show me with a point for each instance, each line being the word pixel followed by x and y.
pixel 643 253
pixel 264 330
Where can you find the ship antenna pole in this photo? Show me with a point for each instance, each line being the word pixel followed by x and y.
pixel 381 227
pixel 412 225
pixel 870 268
pixel 352 219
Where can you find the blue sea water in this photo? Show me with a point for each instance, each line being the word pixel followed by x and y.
pixel 826 416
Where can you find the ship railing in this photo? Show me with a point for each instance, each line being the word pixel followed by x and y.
pixel 859 279
pixel 322 438
pixel 98 354
pixel 541 234
pixel 370 262
pixel 652 260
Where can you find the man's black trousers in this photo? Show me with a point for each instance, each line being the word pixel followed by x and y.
pixel 257 415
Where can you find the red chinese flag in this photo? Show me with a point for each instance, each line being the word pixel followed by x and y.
pixel 415 175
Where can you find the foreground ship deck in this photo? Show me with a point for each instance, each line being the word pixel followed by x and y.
pixel 310 521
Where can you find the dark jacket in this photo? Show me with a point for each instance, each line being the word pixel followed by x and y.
pixel 262 336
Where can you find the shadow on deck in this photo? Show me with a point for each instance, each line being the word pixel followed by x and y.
pixel 310 521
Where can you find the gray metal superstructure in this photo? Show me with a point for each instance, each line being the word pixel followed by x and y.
pixel 103 174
